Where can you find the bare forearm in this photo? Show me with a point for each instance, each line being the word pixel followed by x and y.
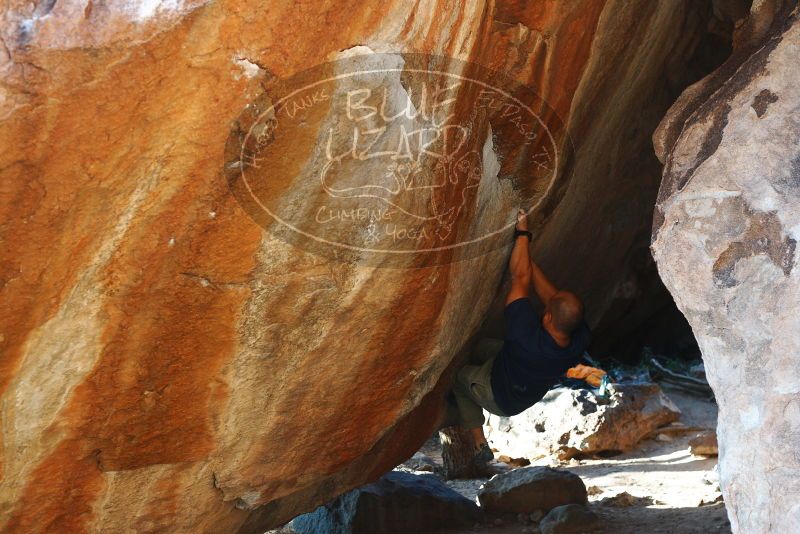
pixel 541 284
pixel 520 263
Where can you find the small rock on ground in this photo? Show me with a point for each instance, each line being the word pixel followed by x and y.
pixel 625 499
pixel 594 490
pixel 704 444
pixel 536 516
pixel 532 488
pixel 569 519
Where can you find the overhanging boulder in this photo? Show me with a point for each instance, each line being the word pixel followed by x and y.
pixel 170 362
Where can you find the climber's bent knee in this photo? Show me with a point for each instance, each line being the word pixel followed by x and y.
pixel 473 394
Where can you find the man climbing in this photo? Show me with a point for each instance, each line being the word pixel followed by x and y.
pixel 511 376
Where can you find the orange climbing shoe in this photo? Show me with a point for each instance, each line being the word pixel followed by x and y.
pixel 591 375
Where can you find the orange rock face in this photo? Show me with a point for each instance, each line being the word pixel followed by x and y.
pixel 170 365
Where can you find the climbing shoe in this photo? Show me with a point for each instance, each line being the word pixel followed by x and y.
pixel 484 455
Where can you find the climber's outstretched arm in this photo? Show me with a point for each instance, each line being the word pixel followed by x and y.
pixel 541 284
pixel 524 270
pixel 520 267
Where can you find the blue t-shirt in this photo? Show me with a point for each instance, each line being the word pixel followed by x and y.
pixel 531 362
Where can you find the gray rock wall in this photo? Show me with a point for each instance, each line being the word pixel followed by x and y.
pixel 725 237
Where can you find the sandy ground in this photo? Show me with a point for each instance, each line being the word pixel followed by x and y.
pixel 666 482
pixel 666 478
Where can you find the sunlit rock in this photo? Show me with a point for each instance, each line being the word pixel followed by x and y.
pixel 725 239
pixel 579 422
pixel 175 361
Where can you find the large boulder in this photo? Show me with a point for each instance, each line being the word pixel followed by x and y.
pixel 532 488
pixel 173 359
pixel 398 503
pixel 578 422
pixel 725 239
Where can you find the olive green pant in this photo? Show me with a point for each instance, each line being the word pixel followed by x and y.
pixel 473 386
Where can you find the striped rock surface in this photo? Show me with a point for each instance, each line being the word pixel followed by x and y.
pixel 169 365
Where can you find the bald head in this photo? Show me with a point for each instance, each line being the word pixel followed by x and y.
pixel 566 311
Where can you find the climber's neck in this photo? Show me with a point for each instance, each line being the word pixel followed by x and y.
pixel 561 339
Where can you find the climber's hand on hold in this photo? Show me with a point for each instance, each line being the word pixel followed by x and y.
pixel 519 265
pixel 522 220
